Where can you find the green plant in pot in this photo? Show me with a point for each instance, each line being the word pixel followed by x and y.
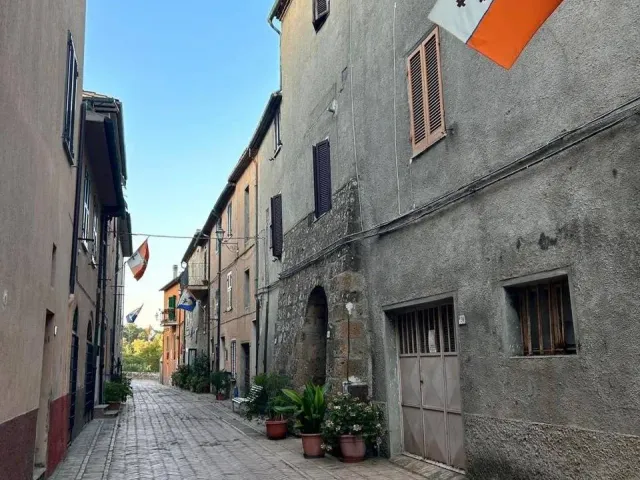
pixel 352 424
pixel 309 410
pixel 277 421
pixel 115 393
pixel 221 383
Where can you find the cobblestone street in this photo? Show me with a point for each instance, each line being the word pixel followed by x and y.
pixel 165 433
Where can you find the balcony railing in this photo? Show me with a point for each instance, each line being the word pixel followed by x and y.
pixel 169 317
pixel 196 275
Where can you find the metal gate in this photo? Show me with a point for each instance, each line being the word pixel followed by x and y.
pixel 89 382
pixel 430 384
pixel 246 350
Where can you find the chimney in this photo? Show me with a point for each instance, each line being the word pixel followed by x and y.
pixel 175 271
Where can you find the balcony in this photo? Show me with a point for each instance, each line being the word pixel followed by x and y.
pixel 169 317
pixel 195 278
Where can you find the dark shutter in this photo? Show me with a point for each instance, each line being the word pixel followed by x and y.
pixel 320 9
pixel 276 226
pixel 322 177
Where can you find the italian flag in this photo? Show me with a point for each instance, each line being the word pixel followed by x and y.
pixel 499 29
pixel 138 261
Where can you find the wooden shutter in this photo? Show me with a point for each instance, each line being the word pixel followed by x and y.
pixel 276 226
pixel 426 107
pixel 322 176
pixel 320 9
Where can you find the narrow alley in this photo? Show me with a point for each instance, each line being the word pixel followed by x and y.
pixel 168 434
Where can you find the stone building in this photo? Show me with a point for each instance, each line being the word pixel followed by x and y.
pixel 465 237
pixel 173 323
pixel 196 278
pixel 39 134
pixel 103 239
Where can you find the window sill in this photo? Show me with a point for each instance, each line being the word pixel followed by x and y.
pixel 542 357
pixel 67 150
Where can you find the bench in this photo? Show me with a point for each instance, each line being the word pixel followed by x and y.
pixel 254 393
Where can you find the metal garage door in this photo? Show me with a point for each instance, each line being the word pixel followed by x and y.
pixel 430 384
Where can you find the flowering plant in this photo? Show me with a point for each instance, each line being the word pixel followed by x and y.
pixel 349 415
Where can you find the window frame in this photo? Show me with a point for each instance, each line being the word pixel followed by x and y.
pixel 430 137
pixel 234 360
pixel 277 139
pixel 229 291
pixel 320 17
pixel 96 219
pixel 247 289
pixel 86 213
pixel 229 219
pixel 556 307
pixel 247 213
pixel 71 92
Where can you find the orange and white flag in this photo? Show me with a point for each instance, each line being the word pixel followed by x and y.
pixel 499 29
pixel 138 261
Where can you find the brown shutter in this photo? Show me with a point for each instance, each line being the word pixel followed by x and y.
pixel 426 108
pixel 322 176
pixel 276 226
pixel 435 107
pixel 320 9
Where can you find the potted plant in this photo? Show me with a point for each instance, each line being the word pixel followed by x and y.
pixel 308 409
pixel 220 382
pixel 276 423
pixel 112 395
pixel 352 424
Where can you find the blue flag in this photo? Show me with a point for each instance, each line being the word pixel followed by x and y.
pixel 187 301
pixel 133 315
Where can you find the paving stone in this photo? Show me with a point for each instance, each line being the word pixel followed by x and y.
pixel 167 434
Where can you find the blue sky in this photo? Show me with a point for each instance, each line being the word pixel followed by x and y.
pixel 194 78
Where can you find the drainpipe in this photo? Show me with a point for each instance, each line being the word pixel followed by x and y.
pixel 208 306
pixel 76 206
pixel 115 301
pixel 219 302
pixel 256 244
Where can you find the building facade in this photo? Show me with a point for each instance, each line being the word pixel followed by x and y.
pixel 196 278
pixel 40 98
pixel 490 214
pixel 172 321
pixel 102 242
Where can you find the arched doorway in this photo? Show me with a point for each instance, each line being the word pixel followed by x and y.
pixel 311 347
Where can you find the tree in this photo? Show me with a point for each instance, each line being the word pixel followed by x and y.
pixel 132 332
pixel 141 349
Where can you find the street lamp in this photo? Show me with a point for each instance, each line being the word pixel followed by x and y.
pixel 219 237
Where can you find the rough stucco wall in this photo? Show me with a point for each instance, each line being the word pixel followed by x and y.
pixel 37 187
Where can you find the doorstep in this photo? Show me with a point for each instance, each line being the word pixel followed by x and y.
pixel 426 469
pixel 38 473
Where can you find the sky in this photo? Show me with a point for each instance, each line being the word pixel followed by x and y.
pixel 193 78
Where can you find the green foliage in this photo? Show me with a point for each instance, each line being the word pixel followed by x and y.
pixel 194 377
pixel 308 408
pixel 221 382
pixel 270 396
pixel 180 377
pixel 139 353
pixel 117 391
pixel 348 415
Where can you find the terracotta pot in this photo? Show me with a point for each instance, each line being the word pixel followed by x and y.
pixel 114 406
pixel 353 448
pixel 312 445
pixel 276 429
pixel 220 396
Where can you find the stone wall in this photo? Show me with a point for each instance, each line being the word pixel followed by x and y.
pixel 337 272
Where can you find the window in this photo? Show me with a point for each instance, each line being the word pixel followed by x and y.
pixel 247 289
pixel 544 318
pixel 276 226
pixel 247 214
pixel 68 132
pixel 320 11
pixel 277 141
pixel 322 177
pixel 86 215
pixel 95 227
pixel 234 365
pixel 229 220
pixel 218 242
pixel 229 291
pixel 426 107
pixel 172 308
